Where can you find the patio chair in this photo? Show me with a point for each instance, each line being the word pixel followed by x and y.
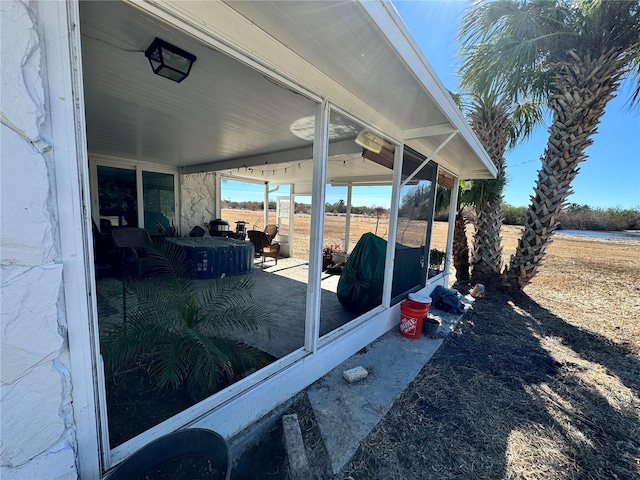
pixel 263 245
pixel 271 230
pixel 136 248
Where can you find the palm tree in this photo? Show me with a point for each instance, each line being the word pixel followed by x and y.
pixel 184 335
pixel 481 194
pixel 499 124
pixel 460 246
pixel 573 56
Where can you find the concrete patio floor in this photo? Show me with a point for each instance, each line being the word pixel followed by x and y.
pixel 283 289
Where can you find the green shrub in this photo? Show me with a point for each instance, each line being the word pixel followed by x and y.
pixel 583 217
pixel 514 215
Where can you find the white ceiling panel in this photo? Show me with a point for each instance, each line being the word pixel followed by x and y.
pixel 340 39
pixel 222 110
pixel 226 111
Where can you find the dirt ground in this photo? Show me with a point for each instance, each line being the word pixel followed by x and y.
pixel 541 384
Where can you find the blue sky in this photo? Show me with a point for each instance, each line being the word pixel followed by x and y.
pixel 610 177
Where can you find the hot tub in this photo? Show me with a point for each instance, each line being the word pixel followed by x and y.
pixel 212 257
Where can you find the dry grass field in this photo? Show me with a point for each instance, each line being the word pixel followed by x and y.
pixel 538 384
pixel 335 228
pixel 593 282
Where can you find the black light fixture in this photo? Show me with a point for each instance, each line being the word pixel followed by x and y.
pixel 169 61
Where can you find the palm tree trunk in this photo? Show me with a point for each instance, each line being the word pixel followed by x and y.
pixel 487 252
pixel 460 248
pixel 493 129
pixel 583 88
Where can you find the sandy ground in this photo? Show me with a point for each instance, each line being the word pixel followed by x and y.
pixel 539 384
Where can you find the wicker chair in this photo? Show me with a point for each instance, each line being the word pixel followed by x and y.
pixel 263 245
pixel 271 230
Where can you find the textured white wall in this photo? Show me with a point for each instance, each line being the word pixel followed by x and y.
pixel 37 439
pixel 197 201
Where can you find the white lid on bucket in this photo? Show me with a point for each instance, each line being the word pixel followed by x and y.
pixel 419 297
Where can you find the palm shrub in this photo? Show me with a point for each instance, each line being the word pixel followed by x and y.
pixel 185 335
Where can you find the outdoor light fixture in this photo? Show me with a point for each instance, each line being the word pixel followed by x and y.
pixel 169 61
pixel 370 141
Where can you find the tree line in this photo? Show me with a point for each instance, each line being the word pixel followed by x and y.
pixel 572 217
pixel 582 217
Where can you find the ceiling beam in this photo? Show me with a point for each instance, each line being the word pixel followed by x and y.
pixel 347 147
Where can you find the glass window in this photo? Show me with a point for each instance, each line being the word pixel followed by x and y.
pixel 356 222
pixel 415 214
pixel 159 202
pixel 440 229
pixel 117 197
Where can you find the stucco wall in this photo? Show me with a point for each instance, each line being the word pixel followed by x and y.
pixel 197 201
pixel 37 436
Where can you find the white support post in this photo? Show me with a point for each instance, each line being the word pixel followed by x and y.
pixel 318 185
pixel 453 210
pixel 292 210
pixel 218 195
pixel 265 210
pixel 393 225
pixel 347 227
pixel 139 197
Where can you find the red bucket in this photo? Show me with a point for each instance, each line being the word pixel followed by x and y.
pixel 421 298
pixel 411 316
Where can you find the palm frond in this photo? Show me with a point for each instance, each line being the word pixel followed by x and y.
pixel 170 260
pixel 229 322
pixel 483 192
pixel 634 76
pixel 170 367
pixel 504 44
pixel 227 292
pixel 515 46
pixel 123 341
pixel 443 200
pixel 524 118
pixel 183 335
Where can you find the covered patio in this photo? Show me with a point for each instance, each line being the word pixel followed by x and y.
pixel 273 99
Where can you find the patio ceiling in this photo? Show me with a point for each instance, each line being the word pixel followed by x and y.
pixel 230 117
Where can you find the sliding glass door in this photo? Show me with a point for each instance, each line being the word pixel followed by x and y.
pixel 134 196
pixel 159 200
pixel 117 197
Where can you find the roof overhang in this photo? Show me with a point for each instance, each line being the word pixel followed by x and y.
pixel 238 105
